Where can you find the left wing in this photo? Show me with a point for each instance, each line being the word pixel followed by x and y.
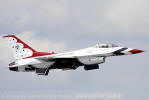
pixel 60 63
pixel 67 63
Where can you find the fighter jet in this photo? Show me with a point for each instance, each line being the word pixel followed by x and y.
pixel 28 59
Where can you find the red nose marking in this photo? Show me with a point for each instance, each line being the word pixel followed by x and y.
pixel 134 51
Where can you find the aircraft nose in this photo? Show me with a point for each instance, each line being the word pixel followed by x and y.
pixel 135 51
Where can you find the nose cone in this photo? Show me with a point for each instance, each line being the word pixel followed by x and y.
pixel 135 51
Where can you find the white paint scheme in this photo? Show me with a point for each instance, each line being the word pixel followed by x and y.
pixel 92 54
pixel 91 60
pixel 92 51
pixel 126 52
pixel 89 56
pixel 18 49
pixel 35 62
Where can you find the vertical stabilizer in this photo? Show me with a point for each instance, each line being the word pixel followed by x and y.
pixel 20 49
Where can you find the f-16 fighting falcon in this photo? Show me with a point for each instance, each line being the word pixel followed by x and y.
pixel 28 59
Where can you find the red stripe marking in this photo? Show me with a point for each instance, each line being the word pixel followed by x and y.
pixel 20 41
pixel 35 53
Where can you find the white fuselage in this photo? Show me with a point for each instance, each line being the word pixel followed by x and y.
pixel 94 55
pixel 28 59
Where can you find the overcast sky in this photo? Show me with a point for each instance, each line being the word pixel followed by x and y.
pixel 66 25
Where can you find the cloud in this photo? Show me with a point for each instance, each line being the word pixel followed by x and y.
pixel 109 17
pixel 129 15
pixel 112 17
pixel 32 14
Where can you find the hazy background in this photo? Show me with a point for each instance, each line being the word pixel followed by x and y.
pixel 66 25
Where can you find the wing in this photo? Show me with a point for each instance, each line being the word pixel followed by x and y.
pixel 62 63
pixel 69 63
pixel 65 63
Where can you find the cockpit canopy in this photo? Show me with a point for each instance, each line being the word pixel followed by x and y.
pixel 108 45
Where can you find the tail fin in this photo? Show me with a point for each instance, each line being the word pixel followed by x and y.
pixel 20 49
